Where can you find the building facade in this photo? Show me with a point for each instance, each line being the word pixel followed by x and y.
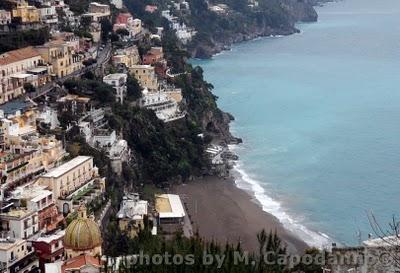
pixel 154 56
pixel 5 17
pixel 20 67
pixel 20 223
pixel 17 256
pixel 118 82
pixel 62 57
pixel 71 181
pixel 128 57
pixel 145 75
pixel 25 13
pixel 49 248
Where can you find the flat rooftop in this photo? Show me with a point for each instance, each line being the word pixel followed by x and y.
pixel 68 166
pixel 20 213
pixel 169 206
pixel 49 238
pixel 133 209
pixel 9 108
pixel 115 76
pixel 33 193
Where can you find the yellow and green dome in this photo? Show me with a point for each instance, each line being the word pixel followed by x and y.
pixel 82 234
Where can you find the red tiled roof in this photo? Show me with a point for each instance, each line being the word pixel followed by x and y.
pixel 80 261
pixel 18 55
pixel 122 18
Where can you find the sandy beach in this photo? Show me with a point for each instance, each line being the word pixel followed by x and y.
pixel 223 212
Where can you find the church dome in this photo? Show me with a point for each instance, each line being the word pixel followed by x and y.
pixel 82 233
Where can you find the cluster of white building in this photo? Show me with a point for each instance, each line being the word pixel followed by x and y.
pixel 184 33
pixel 164 100
pixel 94 128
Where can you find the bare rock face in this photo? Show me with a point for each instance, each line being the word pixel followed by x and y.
pixel 206 51
pixel 301 10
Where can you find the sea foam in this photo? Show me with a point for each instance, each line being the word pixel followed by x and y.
pixel 245 182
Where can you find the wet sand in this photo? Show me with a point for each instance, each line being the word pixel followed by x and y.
pixel 221 211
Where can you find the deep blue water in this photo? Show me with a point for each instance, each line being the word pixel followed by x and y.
pixel 319 113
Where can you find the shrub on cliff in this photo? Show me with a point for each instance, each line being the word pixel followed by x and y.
pixel 163 151
pixel 96 89
pixel 23 38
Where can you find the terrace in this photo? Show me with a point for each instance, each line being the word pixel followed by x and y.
pixel 86 193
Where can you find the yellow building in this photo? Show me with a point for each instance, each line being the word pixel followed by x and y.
pixel 17 169
pixel 174 94
pixel 18 67
pixel 82 236
pixel 51 149
pixel 69 176
pixel 145 74
pixel 26 13
pixel 62 57
pixel 128 56
pixel 74 181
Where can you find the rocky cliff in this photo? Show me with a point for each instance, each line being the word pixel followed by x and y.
pixel 267 21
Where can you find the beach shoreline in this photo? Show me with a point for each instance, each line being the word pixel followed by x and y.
pixel 223 212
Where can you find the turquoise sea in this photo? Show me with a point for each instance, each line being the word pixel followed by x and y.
pixel 319 113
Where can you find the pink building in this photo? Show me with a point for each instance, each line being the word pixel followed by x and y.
pixel 151 8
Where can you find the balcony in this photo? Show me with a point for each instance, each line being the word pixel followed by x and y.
pixel 28 262
pixel 50 21
pixel 12 259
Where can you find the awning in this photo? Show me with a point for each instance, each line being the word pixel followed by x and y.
pixel 38 70
pixel 22 76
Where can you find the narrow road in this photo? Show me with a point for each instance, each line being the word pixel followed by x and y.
pixel 102 58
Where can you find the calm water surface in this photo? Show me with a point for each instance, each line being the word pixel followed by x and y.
pixel 319 113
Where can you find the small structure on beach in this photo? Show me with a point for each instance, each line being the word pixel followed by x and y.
pixel 169 209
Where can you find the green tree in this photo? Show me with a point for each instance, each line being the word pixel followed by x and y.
pixel 134 91
pixel 29 88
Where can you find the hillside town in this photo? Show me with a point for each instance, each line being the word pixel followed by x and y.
pixel 100 114
pixel 47 219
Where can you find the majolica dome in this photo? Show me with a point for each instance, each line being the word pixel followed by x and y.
pixel 82 233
